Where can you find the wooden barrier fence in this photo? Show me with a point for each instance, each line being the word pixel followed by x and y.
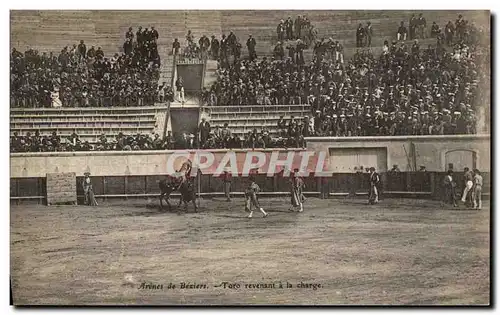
pixel 411 184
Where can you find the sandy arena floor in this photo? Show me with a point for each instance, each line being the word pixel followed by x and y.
pixel 401 251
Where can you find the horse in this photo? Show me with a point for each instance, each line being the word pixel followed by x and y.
pixel 186 190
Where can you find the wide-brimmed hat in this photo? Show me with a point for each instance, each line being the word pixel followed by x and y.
pixel 86 173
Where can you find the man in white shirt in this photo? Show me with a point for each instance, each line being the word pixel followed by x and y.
pixel 468 179
pixel 477 189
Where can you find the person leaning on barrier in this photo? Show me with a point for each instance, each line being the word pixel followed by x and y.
pixel 325 186
pixel 395 169
pixel 89 198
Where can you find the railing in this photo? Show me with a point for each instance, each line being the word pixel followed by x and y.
pixel 33 102
pixel 189 61
pixel 256 108
pixel 100 110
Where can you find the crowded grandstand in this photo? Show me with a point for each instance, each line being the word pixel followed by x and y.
pixel 404 88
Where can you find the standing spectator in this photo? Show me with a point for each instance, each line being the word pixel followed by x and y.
pixel 289 28
pixel 214 47
pixel 402 32
pixel 129 34
pixel 179 84
pixel 459 27
pixel 175 47
pixel 281 126
pixel 369 34
pixel 422 26
pixel 296 189
pixel 99 53
pixel 449 31
pixel 56 101
pixel 251 47
pixel 189 37
pixel 204 43
pixel 413 26
pixel 154 34
pixel 82 50
pixel 204 130
pixel 226 179
pixel 280 31
pixel 374 186
pixel 450 186
pixel 415 48
pixel 298 27
pixel 279 51
pixel 89 199
pixel 291 51
pixel 477 190
pixel 468 181
pixel 169 141
pixel 128 47
pixel 225 134
pixel 91 52
pixel 139 36
pixel 360 34
pixel 434 29
pixel 325 187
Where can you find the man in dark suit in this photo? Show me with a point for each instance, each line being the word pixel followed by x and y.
pixel 360 35
pixel 175 47
pixel 91 52
pixel 139 36
pixel 289 28
pixel 214 47
pixel 251 47
pixel 129 34
pixel 128 47
pixel 82 50
pixel 179 84
pixel 369 34
pixel 227 178
pixel 450 187
pixel 154 34
pixel 279 51
pixel 298 27
pixel 204 130
pixel 374 186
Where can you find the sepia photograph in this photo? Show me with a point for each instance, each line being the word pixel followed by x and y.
pixel 250 157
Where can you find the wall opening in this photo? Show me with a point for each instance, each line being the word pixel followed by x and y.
pixel 343 160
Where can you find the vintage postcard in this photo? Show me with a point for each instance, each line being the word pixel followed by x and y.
pixel 285 157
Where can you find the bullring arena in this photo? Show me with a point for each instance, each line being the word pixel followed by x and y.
pixel 412 247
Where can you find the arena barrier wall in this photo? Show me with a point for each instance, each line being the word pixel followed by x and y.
pixel 405 184
pixel 136 173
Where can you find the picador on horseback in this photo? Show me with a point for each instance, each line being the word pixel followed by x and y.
pixel 183 183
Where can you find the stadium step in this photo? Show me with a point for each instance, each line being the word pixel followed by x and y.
pixel 89 122
pixel 245 118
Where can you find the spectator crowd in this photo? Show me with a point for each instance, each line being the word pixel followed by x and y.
pixel 222 138
pixel 81 77
pixel 407 90
pixel 42 143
